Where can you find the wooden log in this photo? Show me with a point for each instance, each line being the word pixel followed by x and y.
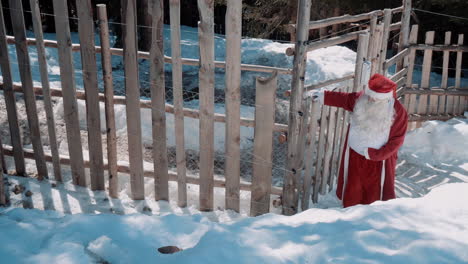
pixel 294 158
pixel 124 168
pixel 120 100
pixel 265 94
pixel 167 59
pixel 132 91
pixel 405 29
pixel 395 59
pixel 385 36
pixel 426 72
pixel 326 83
pixel 313 111
pixel 328 150
pixel 445 65
pixel 361 58
pixel 111 136
pixel 158 100
pixel 174 6
pixel 412 55
pixel 438 91
pixel 459 63
pixel 67 77
pixel 88 62
pixel 10 99
pixel 41 57
pixel 320 152
pixel 375 59
pixel 452 48
pixel 348 18
pixel 333 41
pixel 336 149
pixel 372 27
pixel 206 80
pixel 401 74
pixel 233 96
pixel 395 26
pixel 19 30
pixel 3 168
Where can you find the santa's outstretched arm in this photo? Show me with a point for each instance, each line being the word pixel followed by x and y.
pixel 396 138
pixel 340 99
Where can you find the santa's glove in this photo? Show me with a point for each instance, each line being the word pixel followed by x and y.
pixel 316 95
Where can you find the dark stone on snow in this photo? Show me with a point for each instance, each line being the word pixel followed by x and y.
pixel 169 249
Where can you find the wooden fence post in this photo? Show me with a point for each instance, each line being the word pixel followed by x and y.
pixel 67 76
pixel 88 62
pixel 385 35
pixel 361 57
pixel 320 152
pixel 458 100
pixel 206 79
pixel 328 149
pixel 294 158
pixel 405 30
pixel 132 89
pixel 412 55
pixel 265 94
pixel 10 100
pixel 158 102
pixel 41 56
pixel 111 136
pixel 19 30
pixel 313 113
pixel 426 73
pixel 177 91
pixel 233 96
pixel 376 63
pixel 443 100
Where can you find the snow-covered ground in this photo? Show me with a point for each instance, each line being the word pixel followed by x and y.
pixel 81 226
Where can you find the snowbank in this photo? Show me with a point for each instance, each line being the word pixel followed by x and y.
pixel 438 141
pixel 432 229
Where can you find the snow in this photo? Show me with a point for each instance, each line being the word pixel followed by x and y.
pixel 431 229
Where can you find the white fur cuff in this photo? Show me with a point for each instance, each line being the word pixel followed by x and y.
pixel 366 153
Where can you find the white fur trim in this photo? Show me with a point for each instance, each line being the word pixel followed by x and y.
pixel 382 180
pixel 366 153
pixel 345 173
pixel 378 96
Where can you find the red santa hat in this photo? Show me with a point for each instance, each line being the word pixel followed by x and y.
pixel 380 87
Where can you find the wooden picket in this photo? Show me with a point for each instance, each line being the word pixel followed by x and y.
pixel 158 99
pixel 111 136
pixel 88 61
pixel 206 80
pixel 132 92
pixel 19 30
pixel 233 96
pixel 41 56
pixel 10 100
pixel 174 6
pixel 265 94
pixel 67 76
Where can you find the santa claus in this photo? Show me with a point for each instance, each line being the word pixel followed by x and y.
pixel 376 131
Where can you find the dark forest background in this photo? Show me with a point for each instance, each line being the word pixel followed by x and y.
pixel 269 19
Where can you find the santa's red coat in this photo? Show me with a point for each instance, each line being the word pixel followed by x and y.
pixel 363 179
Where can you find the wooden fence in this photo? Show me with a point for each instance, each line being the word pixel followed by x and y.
pixel 264 124
pixel 323 128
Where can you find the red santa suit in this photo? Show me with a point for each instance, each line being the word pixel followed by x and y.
pixel 367 171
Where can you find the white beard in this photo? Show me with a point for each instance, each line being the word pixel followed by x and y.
pixel 370 123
